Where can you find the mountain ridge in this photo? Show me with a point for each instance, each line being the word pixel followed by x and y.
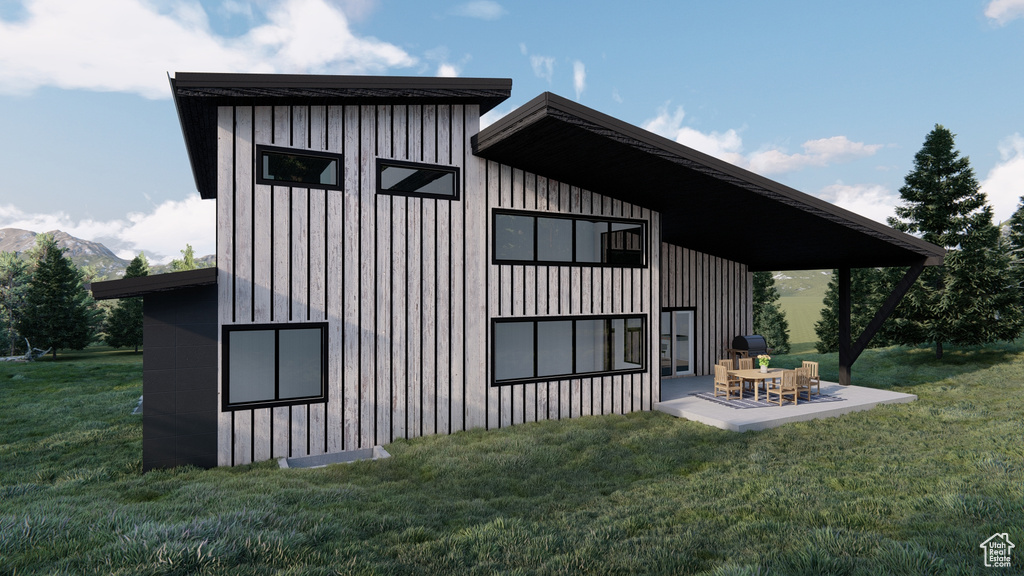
pixel 83 253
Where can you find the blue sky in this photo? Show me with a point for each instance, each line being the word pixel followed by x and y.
pixel 832 98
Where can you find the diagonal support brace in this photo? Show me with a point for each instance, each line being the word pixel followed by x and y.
pixel 848 353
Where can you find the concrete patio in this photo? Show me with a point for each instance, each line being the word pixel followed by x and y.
pixel 676 399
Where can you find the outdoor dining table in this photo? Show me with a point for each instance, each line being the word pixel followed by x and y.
pixel 756 375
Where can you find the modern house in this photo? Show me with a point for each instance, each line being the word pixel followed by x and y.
pixel 386 269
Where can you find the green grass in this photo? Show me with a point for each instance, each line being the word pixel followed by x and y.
pixel 801 313
pixel 901 489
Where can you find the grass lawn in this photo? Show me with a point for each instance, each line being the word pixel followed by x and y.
pixel 901 489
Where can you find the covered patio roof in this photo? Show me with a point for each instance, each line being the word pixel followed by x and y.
pixel 706 204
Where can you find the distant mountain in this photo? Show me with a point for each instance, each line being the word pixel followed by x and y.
pixel 207 261
pixel 83 253
pixel 802 283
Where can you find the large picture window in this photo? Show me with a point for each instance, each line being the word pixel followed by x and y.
pixel 536 349
pixel 274 365
pixel 417 179
pixel 531 238
pixel 291 167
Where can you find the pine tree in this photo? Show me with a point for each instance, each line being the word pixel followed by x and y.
pixel 58 313
pixel 769 319
pixel 1015 241
pixel 124 324
pixel 14 277
pixel 862 309
pixel 970 298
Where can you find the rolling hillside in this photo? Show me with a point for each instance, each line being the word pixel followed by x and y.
pixel 802 292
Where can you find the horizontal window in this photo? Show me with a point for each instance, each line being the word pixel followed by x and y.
pixel 530 238
pixel 415 179
pixel 274 365
pixel 289 167
pixel 551 348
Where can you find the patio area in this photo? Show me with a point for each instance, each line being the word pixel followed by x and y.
pixel 678 399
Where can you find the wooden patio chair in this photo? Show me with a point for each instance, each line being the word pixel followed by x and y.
pixel 815 381
pixel 727 384
pixel 803 382
pixel 727 362
pixel 746 363
pixel 786 387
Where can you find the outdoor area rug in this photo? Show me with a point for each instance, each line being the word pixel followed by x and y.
pixel 749 402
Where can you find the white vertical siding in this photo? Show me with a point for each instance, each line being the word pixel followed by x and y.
pixel 719 291
pixel 408 287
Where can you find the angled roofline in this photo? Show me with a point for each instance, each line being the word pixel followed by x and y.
pixel 549 106
pixel 142 285
pixel 198 94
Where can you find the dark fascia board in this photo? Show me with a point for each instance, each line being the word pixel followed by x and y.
pixel 142 285
pixel 548 105
pixel 488 91
pixel 198 94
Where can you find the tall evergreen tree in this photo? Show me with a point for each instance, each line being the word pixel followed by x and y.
pixel 124 324
pixel 969 299
pixel 862 309
pixel 58 312
pixel 769 319
pixel 1015 241
pixel 14 278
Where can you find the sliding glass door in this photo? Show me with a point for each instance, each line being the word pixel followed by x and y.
pixel 676 343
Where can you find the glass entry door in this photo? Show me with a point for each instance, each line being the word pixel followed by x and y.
pixel 676 343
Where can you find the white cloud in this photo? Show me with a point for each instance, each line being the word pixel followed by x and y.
pixel 1002 11
pixel 728 146
pixel 579 78
pixel 616 96
pixel 128 46
pixel 1004 184
pixel 446 70
pixel 161 233
pixel 481 9
pixel 722 145
pixel 820 152
pixel 871 201
pixel 543 66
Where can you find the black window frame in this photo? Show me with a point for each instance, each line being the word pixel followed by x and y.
pixel 574 375
pixel 642 224
pixel 277 401
pixel 262 149
pixel 453 170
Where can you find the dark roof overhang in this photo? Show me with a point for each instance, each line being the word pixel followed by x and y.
pixel 197 96
pixel 142 285
pixel 706 204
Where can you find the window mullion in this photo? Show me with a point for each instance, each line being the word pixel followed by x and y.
pixel 277 364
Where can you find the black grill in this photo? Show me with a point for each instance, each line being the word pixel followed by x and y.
pixel 753 345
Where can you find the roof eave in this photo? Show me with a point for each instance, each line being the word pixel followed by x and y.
pixel 549 107
pixel 197 96
pixel 142 285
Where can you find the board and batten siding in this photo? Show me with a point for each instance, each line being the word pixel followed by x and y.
pixel 406 313
pixel 408 288
pixel 719 291
pixel 516 290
